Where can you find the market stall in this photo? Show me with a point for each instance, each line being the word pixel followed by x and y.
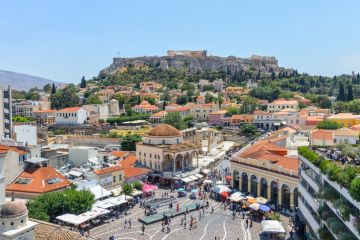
pixel 273 229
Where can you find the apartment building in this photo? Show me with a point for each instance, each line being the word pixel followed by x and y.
pixel 5 112
pixel 327 208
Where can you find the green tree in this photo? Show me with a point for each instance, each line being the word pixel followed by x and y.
pixel 182 99
pixel 150 100
pixel 53 89
pixel 249 105
pixel 209 98
pixel 93 99
pixel 174 119
pixel 341 95
pixel 355 188
pixel 165 97
pixel 128 142
pixel 340 107
pixel 47 88
pixel 127 189
pixel 137 185
pixel 249 130
pixel 328 124
pixel 83 82
pixel 50 205
pixel 232 111
pixel 66 97
pixel 350 95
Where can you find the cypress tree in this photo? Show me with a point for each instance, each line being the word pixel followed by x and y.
pixel 83 82
pixel 350 95
pixel 272 75
pixel 341 96
pixel 358 78
pixel 53 89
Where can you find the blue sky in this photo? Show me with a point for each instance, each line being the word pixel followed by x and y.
pixel 63 40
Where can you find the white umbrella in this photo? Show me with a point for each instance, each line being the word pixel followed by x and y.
pixel 261 200
pixel 254 206
pixel 236 198
pixel 219 183
pixel 207 181
pixel 272 226
pixel 221 188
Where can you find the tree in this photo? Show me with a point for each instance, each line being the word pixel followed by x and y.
pixel 127 189
pixel 209 98
pixel 328 124
pixel 355 188
pixel 66 97
pixel 93 99
pixel 150 100
pixel 182 99
pixel 50 205
pixel 232 111
pixel 341 95
pixel 137 185
pixel 83 82
pixel 273 75
pixel 53 89
pixel 165 97
pixel 350 95
pixel 47 88
pixel 128 142
pixel 249 105
pixel 249 130
pixel 174 119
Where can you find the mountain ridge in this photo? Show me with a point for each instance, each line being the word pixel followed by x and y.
pixel 22 81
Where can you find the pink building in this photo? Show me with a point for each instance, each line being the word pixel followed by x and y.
pixel 215 118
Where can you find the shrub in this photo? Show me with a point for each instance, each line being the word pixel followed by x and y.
pixel 137 185
pixel 355 188
pixel 328 124
pixel 346 236
pixel 310 155
pixel 329 194
pixel 345 212
pixel 127 189
pixel 336 226
pixel 324 234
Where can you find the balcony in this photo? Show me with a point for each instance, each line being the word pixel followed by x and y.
pixel 311 221
pixel 343 191
pixel 311 182
pixel 310 199
pixel 312 166
pixel 349 224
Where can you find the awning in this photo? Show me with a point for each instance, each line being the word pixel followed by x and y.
pixel 199 176
pixel 136 193
pixel 193 177
pixel 75 173
pixel 221 188
pixel 272 226
pixel 187 179
pixel 73 219
pixel 104 204
pixel 205 171
pixel 207 181
pixel 98 191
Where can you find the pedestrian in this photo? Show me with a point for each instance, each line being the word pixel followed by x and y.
pixel 250 223
pixel 143 229
pixel 162 227
pixel 212 209
pixel 129 223
pixel 243 215
pixel 203 214
pixel 185 224
pixel 247 223
pixel 199 215
pixel 125 224
pixel 234 214
pixel 177 207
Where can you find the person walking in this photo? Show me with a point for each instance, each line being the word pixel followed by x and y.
pixel 212 209
pixel 234 214
pixel 125 224
pixel 250 223
pixel 129 223
pixel 143 229
pixel 247 223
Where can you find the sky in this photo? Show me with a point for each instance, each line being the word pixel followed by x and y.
pixel 66 39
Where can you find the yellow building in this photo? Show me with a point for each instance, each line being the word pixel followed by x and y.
pixel 346 119
pixel 236 91
pixel 265 170
pixel 110 177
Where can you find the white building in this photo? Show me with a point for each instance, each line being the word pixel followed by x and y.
pixel 5 112
pixel 164 149
pixel 25 134
pixel 71 116
pixel 82 154
pixel 281 104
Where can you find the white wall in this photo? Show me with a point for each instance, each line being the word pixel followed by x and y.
pixel 80 155
pixel 72 118
pixel 26 134
pixel 163 140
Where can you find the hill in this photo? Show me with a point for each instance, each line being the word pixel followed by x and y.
pixel 20 81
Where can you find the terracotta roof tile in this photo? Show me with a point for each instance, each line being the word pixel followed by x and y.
pixel 322 134
pixel 120 154
pixel 70 109
pixel 108 170
pixel 38 183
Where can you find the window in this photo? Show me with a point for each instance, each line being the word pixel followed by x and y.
pixel 12 223
pixel 114 179
pixel 163 141
pixel 23 180
pixel 139 153
pixel 120 177
pixel 53 180
pixel 150 155
pixel 144 154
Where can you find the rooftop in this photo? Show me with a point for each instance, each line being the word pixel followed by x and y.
pixel 38 180
pixel 164 130
pixel 108 170
pixel 70 109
